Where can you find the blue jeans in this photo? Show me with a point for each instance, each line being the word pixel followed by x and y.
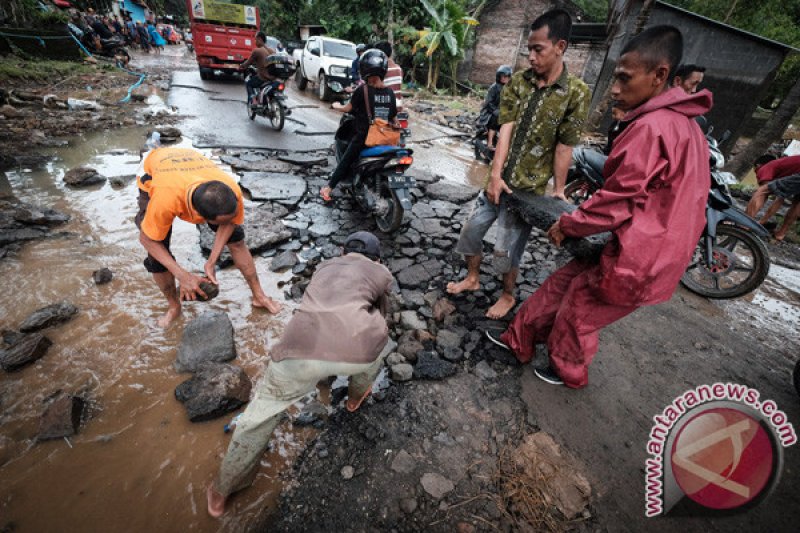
pixel 512 233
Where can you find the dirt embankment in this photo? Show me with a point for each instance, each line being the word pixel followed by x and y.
pixel 44 103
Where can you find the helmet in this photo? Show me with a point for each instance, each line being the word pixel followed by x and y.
pixel 373 63
pixel 360 47
pixel 504 70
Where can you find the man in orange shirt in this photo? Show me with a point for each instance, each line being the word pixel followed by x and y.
pixel 182 183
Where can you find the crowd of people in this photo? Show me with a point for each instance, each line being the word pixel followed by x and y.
pixel 147 36
pixel 656 173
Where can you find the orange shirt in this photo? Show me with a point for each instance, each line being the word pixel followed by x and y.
pixel 176 173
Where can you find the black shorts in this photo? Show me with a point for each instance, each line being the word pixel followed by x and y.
pixel 788 187
pixel 150 263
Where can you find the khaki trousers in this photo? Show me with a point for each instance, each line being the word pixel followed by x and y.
pixel 284 383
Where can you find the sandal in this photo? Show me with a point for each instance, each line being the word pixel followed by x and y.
pixel 353 408
pixel 326 194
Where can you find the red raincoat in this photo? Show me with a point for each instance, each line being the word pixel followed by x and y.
pixel 653 201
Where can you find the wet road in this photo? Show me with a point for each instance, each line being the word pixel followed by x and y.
pixel 138 464
pixel 217 117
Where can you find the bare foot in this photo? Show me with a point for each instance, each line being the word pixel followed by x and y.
pixel 216 502
pixel 466 284
pixel 169 317
pixel 265 302
pixel 502 307
pixel 779 236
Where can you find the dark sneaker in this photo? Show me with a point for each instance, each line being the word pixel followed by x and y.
pixel 547 374
pixel 494 336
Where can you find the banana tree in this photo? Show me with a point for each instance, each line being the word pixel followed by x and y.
pixel 449 25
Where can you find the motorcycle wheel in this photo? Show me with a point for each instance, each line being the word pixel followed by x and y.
pixel 579 190
pixel 797 377
pixel 388 211
pixel 302 83
pixel 251 112
pixel 277 114
pixel 741 262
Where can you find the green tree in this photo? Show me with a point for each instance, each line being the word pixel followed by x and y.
pixel 449 25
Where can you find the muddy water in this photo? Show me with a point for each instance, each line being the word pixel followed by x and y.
pixel 137 463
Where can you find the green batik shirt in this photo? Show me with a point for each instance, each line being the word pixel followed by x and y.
pixel 544 117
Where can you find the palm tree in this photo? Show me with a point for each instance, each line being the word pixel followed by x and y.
pixel 449 24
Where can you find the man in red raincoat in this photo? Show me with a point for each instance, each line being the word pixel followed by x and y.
pixel 653 202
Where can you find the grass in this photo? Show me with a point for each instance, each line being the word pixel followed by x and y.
pixel 15 68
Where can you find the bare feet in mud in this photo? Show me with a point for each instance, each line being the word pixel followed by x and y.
pixel 265 302
pixel 501 307
pixel 466 284
pixel 169 317
pixel 216 502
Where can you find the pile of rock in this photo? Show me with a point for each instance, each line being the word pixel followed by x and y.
pixel 63 412
pixel 215 387
pixel 21 222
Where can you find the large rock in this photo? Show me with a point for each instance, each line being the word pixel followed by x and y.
pixel 304 160
pixel 207 338
pixel 23 351
pixel 21 222
pixel 261 165
pixel 451 192
pixel 442 309
pixel 262 230
pixel 429 366
pixel 61 417
pixel 436 485
pixel 543 211
pixel 102 276
pixel 48 316
pixel 215 389
pixel 558 475
pixel 282 261
pixel 410 320
pixel 17 235
pixel 286 189
pixel 34 215
pixel 402 372
pixel 430 227
pixel 83 177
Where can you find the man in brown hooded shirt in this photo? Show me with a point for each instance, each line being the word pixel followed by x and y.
pixel 339 329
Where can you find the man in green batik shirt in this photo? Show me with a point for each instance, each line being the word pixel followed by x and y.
pixel 542 112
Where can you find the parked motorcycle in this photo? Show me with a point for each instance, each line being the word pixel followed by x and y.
pixel 731 259
pixel 113 48
pixel 481 146
pixel 377 182
pixel 270 101
pixel 796 377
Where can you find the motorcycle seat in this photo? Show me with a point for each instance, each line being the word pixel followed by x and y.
pixel 375 151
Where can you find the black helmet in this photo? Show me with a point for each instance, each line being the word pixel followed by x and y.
pixel 360 47
pixel 504 70
pixel 373 63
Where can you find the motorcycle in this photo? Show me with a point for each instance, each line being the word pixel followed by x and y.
pixel 113 48
pixel 377 182
pixel 796 377
pixel 269 102
pixel 731 259
pixel 481 146
pixel 480 142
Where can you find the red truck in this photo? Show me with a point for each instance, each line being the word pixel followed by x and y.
pixel 223 34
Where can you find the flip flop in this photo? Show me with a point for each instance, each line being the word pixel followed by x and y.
pixel 326 197
pixel 360 401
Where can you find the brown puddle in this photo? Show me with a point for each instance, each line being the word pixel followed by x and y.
pixel 137 464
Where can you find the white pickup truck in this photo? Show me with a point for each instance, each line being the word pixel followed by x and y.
pixel 326 62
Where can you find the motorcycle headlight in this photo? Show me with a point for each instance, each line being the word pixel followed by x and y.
pixel 337 70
